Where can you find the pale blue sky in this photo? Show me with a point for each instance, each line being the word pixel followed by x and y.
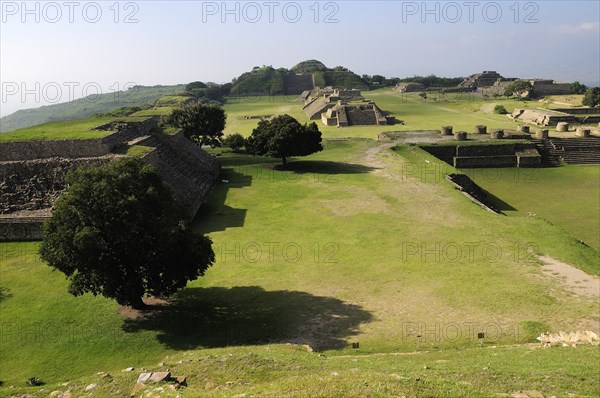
pixel 178 42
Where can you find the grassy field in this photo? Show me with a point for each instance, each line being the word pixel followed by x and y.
pixel 69 129
pixel 462 111
pixel 361 243
pixel 64 130
pixel 566 196
pixel 357 243
pixel 288 371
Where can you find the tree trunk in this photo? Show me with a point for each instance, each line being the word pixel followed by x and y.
pixel 284 161
pixel 137 303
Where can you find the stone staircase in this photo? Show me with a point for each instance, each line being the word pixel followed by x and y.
pixel 187 170
pixel 549 156
pixel 576 150
pixel 360 117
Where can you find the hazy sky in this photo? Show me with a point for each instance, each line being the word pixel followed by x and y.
pixel 56 51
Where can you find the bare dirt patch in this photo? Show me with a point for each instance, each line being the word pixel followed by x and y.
pixel 571 278
pixel 153 304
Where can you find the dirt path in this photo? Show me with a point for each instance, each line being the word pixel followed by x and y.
pixel 571 278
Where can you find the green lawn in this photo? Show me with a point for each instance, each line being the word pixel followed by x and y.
pixel 349 245
pixel 567 196
pixel 358 243
pixel 68 129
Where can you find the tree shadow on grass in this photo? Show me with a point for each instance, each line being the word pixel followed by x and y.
pixel 220 317
pixel 215 215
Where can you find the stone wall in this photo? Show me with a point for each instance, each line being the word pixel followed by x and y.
pixel 36 184
pixel 471 156
pixel 32 186
pixel 579 111
pixel 22 228
pixel 296 84
pixel 485 161
pixel 544 88
pixel 81 148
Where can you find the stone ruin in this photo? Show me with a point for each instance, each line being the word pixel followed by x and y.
pixel 343 115
pixel 32 173
pixel 409 87
pixel 483 79
pixel 554 117
pixel 492 83
pixel 342 108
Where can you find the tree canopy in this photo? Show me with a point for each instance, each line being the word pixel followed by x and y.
pixel 283 137
pixel 234 141
pixel 592 97
pixel 117 232
pixel 578 88
pixel 194 85
pixel 203 123
pixel 520 88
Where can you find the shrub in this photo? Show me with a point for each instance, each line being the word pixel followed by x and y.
pixel 234 141
pixel 500 110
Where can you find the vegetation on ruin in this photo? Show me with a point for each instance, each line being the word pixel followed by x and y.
pixel 117 232
pixel 68 129
pixel 591 97
pixel 200 122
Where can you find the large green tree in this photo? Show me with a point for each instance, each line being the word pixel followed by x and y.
pixel 203 123
pixel 520 88
pixel 117 232
pixel 283 137
pixel 578 88
pixel 592 97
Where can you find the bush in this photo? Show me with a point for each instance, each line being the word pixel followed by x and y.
pixel 592 97
pixel 500 110
pixel 234 141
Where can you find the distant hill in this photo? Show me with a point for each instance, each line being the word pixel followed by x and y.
pixel 267 80
pixel 84 107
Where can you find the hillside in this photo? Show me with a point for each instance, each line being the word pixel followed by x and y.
pixel 85 107
pixel 267 80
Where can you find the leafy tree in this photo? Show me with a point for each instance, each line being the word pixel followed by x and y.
pixel 204 123
pixel 194 85
pixel 520 88
pixel 234 141
pixel 283 137
pixel 578 88
pixel 117 232
pixel 592 97
pixel 423 95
